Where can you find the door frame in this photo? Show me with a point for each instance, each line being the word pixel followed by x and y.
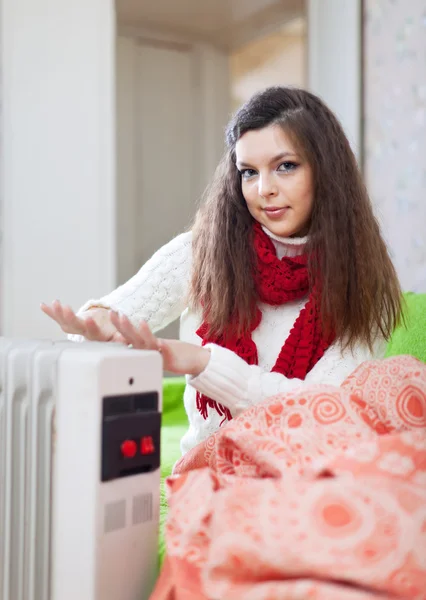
pixel 335 62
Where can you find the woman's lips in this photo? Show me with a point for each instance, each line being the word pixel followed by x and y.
pixel 275 212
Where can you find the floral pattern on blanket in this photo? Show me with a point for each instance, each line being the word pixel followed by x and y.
pixel 318 494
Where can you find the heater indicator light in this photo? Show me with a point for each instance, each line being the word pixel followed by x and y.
pixel 129 449
pixel 147 445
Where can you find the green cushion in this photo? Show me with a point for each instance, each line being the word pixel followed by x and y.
pixel 174 425
pixel 411 338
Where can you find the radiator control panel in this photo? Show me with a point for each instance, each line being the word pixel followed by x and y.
pixel 131 430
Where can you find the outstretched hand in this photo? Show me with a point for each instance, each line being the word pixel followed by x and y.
pixel 103 325
pixel 179 357
pixel 94 324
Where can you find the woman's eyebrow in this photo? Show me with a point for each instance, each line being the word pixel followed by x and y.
pixel 274 159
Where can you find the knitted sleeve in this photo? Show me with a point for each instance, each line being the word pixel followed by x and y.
pixel 157 293
pixel 229 380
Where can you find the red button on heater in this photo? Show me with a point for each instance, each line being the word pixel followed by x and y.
pixel 147 445
pixel 129 448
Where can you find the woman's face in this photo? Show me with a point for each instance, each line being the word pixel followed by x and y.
pixel 276 181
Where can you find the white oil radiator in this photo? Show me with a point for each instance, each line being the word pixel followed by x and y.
pixel 79 470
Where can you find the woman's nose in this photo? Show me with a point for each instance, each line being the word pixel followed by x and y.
pixel 267 187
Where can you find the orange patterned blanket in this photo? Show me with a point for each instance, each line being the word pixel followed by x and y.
pixel 319 494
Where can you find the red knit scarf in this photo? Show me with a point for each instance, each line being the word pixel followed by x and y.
pixel 277 281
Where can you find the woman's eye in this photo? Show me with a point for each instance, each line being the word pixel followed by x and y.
pixel 287 166
pixel 247 173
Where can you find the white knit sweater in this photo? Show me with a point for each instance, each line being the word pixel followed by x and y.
pixel 157 294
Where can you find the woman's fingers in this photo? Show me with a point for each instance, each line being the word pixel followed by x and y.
pixel 123 326
pixel 72 323
pixel 49 310
pixel 147 336
pixel 93 331
pixel 129 333
pixel 57 309
pixel 117 329
pixel 118 338
pixel 64 316
pixel 141 338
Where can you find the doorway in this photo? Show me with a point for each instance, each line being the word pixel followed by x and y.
pixel 179 76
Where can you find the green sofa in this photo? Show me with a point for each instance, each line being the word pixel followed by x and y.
pixel 405 340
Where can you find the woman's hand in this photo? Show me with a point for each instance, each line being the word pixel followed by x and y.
pixel 178 357
pixel 104 325
pixel 94 324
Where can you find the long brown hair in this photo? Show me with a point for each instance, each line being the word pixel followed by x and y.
pixel 361 295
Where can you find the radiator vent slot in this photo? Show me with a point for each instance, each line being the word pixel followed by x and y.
pixel 115 516
pixel 142 509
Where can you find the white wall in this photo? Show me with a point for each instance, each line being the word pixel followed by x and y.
pixel 58 157
pixel 395 130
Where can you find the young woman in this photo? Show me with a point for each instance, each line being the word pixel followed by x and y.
pixel 284 280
